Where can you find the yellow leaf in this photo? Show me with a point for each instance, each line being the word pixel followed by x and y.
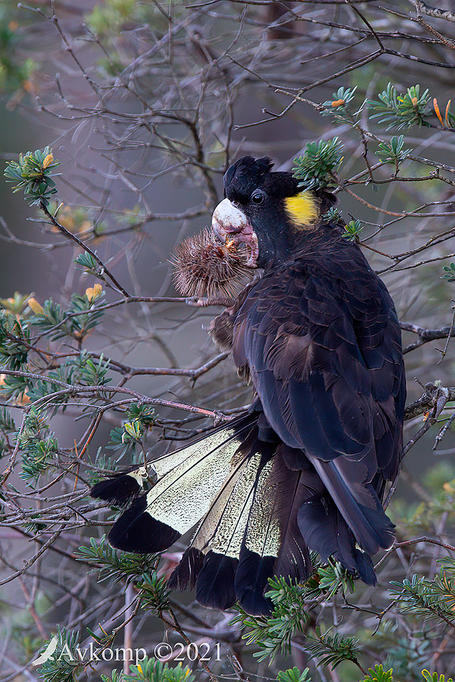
pixel 34 305
pixel 48 160
pixel 94 292
pixel 437 112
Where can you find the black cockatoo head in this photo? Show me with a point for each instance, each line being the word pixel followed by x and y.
pixel 264 210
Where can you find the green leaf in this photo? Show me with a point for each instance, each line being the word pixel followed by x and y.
pixel 63 663
pixel 399 110
pixel 113 564
pixel 434 677
pixel 338 106
pixel 449 272
pixel 332 650
pixel 152 670
pixel 393 152
pixel 32 174
pixel 352 230
pixel 321 160
pixel 294 675
pixel 86 261
pixel 378 674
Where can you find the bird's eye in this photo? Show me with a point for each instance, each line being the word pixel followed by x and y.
pixel 258 196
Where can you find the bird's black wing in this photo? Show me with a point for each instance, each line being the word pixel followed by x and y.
pixel 320 338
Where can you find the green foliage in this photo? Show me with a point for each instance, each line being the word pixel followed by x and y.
pixel 352 230
pixel 38 446
pixel 15 304
pixel 89 371
pixel 378 674
pixel 33 174
pixel 428 599
pixel 111 16
pixel 152 670
pixel 141 418
pixel 81 324
pixel 79 318
pixel 331 650
pixel 115 676
pixel 15 71
pixel 63 664
pixel 291 602
pixel 14 341
pixel 51 316
pixel 321 160
pixel 88 263
pixel 333 215
pixel 449 272
pixel 294 675
pixel 393 152
pixel 434 677
pixel 7 424
pixel 14 387
pixel 112 564
pixel 273 635
pixel 331 578
pixel 338 106
pixel 143 413
pixel 41 388
pixel 154 593
pixel 400 110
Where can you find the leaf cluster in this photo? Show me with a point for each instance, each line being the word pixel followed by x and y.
pixel 400 110
pixel 62 665
pixel 32 174
pixel 112 564
pixel 332 649
pixel 38 446
pixel 317 167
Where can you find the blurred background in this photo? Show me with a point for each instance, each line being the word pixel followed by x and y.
pixel 146 104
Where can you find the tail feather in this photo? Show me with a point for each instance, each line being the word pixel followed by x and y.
pixel 251 580
pixel 221 533
pixel 136 531
pixel 215 582
pixel 220 530
pixel 263 506
pixel 184 576
pixel 262 539
pixel 359 505
pixel 294 558
pixel 121 489
pixel 182 495
pixel 327 533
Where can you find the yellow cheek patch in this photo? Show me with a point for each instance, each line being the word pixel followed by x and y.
pixel 302 209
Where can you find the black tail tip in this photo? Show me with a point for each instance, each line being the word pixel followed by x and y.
pixel 136 531
pixel 119 490
pixel 365 567
pixel 184 576
pixel 215 583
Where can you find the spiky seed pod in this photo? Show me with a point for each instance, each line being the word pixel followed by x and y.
pixel 203 266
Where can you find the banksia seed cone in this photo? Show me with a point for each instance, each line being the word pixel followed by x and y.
pixel 203 266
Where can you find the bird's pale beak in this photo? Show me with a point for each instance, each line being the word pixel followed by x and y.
pixel 230 223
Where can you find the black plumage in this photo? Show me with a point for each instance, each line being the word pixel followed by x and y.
pixel 306 469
